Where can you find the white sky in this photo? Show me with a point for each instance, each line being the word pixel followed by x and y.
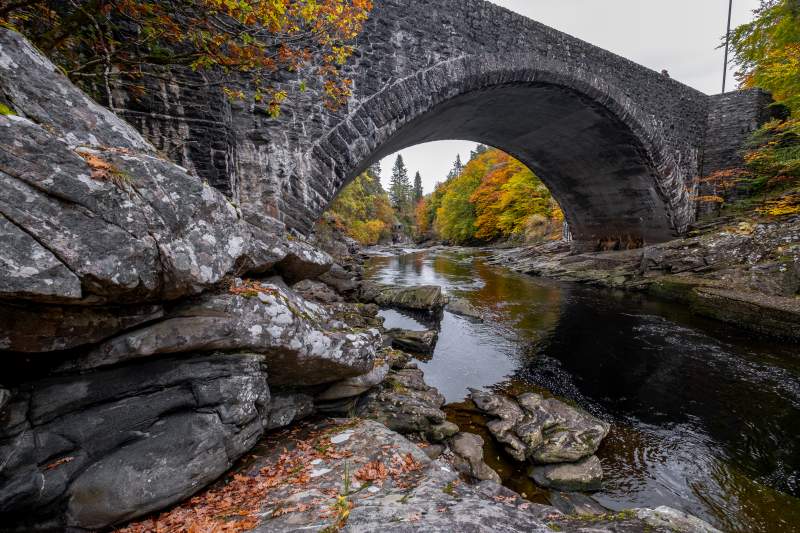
pixel 678 35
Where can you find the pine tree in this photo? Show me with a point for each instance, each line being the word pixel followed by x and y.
pixel 481 148
pixel 399 186
pixel 417 188
pixel 458 167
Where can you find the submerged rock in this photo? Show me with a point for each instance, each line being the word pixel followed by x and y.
pixel 674 520
pixel 585 475
pixel 462 307
pixel 419 342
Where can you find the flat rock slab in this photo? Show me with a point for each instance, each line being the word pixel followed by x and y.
pixel 418 342
pixel 426 298
pixel 584 476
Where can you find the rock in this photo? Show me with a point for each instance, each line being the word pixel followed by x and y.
pixel 468 451
pixel 263 319
pixel 286 407
pixel 674 520
pixel 404 403
pixel 91 214
pixel 462 307
pixel 5 396
pixel 33 329
pixel 433 451
pixel 442 432
pixel 577 504
pixel 340 280
pixel 303 261
pixel 585 475
pixel 543 430
pixel 121 443
pixel 316 291
pixel 428 299
pixel 355 386
pixel 420 342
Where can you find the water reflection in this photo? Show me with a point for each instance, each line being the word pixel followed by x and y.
pixel 705 418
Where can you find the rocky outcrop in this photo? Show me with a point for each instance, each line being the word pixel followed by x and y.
pixel 112 445
pixel 359 476
pixel 264 318
pixel 548 432
pixel 462 307
pixel 745 273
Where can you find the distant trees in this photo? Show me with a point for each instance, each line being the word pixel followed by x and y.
pixel 102 43
pixel 458 167
pixel 493 197
pixel 362 210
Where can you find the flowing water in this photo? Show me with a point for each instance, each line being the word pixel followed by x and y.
pixel 705 418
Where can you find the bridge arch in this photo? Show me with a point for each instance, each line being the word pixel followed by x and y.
pixel 603 158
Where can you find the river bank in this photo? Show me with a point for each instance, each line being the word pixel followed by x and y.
pixel 743 272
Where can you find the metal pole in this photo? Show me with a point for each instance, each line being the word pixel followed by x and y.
pixel 727 46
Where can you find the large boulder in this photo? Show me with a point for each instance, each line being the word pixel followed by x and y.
pixel 260 318
pixel 427 299
pixel 544 430
pixel 121 443
pixel 418 342
pixel 468 451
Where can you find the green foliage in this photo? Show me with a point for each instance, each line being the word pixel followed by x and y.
pixel 417 195
pixel 362 209
pixel 493 197
pixel 400 186
pixel 5 110
pixel 768 51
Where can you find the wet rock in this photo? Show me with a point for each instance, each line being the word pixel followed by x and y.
pixel 468 451
pixel 442 432
pixel 265 319
pixel 428 299
pixel 61 327
pixel 121 443
pixel 356 385
pixel 674 520
pixel 316 291
pixel 462 307
pixel 286 407
pixel 543 430
pixel 577 504
pixel 404 403
pixel 420 342
pixel 585 475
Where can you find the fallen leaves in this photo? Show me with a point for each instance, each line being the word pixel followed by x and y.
pixel 102 170
pixel 56 464
pixel 372 472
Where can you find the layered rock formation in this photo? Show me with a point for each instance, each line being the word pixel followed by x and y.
pixel 144 318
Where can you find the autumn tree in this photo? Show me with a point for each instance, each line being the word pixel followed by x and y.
pixel 417 195
pixel 362 210
pixel 101 44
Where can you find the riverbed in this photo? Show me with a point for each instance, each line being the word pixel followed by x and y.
pixel 705 418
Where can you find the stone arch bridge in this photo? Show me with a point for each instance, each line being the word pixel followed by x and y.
pixel 620 146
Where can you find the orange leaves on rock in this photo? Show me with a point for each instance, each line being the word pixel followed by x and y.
pixel 375 471
pixel 251 288
pixel 101 169
pixel 56 464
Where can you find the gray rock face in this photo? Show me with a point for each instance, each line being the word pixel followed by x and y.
pixel 316 291
pixel 583 476
pixel 468 449
pixel 419 342
pixel 269 320
pixel 124 442
pixel 543 430
pixel 404 403
pixel 288 407
pixel 340 280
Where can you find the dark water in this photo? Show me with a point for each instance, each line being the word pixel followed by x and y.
pixel 706 419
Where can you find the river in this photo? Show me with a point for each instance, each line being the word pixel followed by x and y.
pixel 705 418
